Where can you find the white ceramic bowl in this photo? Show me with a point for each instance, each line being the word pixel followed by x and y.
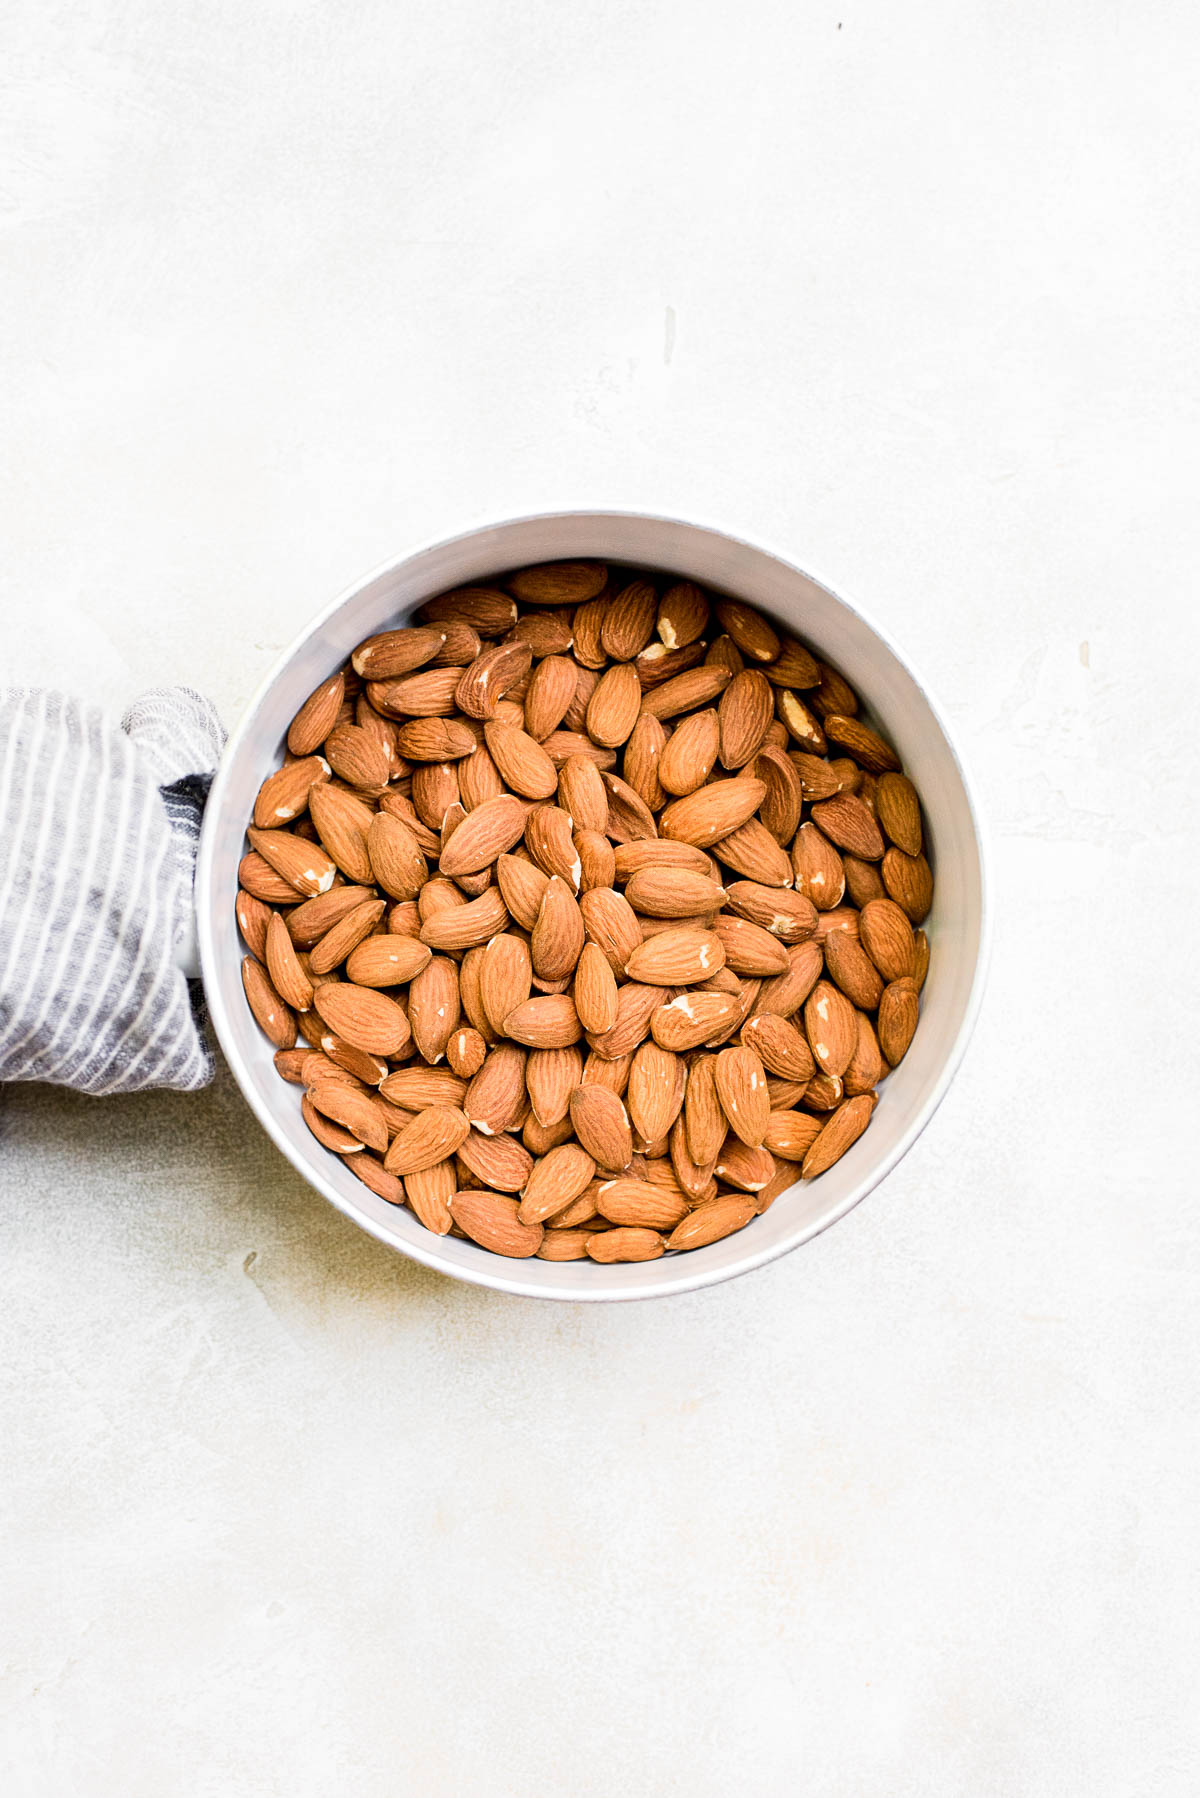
pixel 839 632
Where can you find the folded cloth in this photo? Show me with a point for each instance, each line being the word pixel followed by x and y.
pixel 99 824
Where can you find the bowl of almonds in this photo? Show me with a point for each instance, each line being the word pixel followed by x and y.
pixel 591 906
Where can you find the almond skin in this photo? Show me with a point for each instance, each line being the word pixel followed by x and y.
pixel 547 1023
pixel 558 935
pixel 433 1007
pixel 625 1245
pixel 629 621
pixel 303 865
pixel 602 1125
pixel 657 1081
pixel 788 915
pixel 317 716
pixel 744 714
pixel 494 1098
pixel 287 976
pixel 705 817
pixel 555 1180
pixel 386 961
pixel 273 1017
pixel 676 958
pixel 710 1222
pixel 486 833
pixel 595 989
pixel 898 810
pixel 522 761
pixel 673 893
pixel 367 1019
pixel 749 949
pixel 909 882
pixel 690 754
pixel 741 1084
pixel 640 1204
pixel 581 794
pixel 817 868
pixel 898 1013
pixel 551 690
pixel 779 1046
pixel 283 796
pixel 830 1026
pixel 847 822
pixel 693 1018
pixel 682 615
pixel 492 1221
pixel 844 1128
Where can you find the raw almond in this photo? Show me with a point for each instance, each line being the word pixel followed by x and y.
pixel 547 1023
pixel 831 1028
pixel 781 808
pixel 581 794
pixel 496 1161
pixel 657 1081
pixel 595 990
pixel 787 992
pixel 332 949
pixel 433 1007
pixel 283 796
pixel 287 976
pixel 684 692
pixel 496 1094
pixel 847 822
pixel 386 961
pixel 749 949
pixel 558 936
pixel 356 1111
pixel 682 615
pixel 522 761
pixel 272 1016
pixel 559 583
pixel 485 609
pixel 317 716
pixel 636 1006
pixel 788 915
pixel 629 621
pixel 817 868
pixel 752 851
pixel 611 923
pixel 492 1221
pixel 640 1204
pixel 490 676
pixel 625 1245
pixel 551 1076
pixel 676 958
pixel 898 1012
pixel 843 1130
pixel 555 1180
pixel 865 745
pixel 693 1018
pixel 745 712
pixel 851 968
pixel 665 892
pixel 703 818
pixel 390 654
pixel 305 866
pixel 791 1134
pixel 484 834
pixel 602 1125
pixel 521 884
pixel 909 882
pixel 369 1020
pixel 888 939
pixel 709 1223
pixel 779 1046
pixel 899 812
pixel 690 754
pixel 432 1136
pixel 550 841
pixel 746 1166
pixel 741 1085
pixel 429 1191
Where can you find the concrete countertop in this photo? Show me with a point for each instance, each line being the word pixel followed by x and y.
pixel 911 293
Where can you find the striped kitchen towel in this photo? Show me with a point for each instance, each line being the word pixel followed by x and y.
pixel 99 823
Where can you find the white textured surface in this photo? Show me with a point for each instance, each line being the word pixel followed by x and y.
pixel 912 1512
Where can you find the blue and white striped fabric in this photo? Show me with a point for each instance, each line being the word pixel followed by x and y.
pixel 99 823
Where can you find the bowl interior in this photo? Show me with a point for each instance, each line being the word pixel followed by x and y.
pixel 801 605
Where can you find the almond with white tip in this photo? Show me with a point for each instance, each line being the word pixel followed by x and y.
pixel 676 957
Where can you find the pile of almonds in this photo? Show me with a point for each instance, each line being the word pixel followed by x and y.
pixel 596 908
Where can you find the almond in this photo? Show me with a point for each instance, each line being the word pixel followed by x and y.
pixel 431 1137
pixel 260 880
pixel 386 961
pixel 390 654
pixel 843 1129
pixel 317 716
pixel 695 687
pixel 357 757
pixel 547 633
pixel 692 1018
pixel 846 821
pixel 342 821
pixel 751 850
pixel 682 615
pixel 551 1076
pixel 271 1015
pixel 831 1028
pixel 747 1167
pixel 787 992
pixel 356 1111
pixel 595 990
pixel 284 794
pixel 496 1094
pixel 328 1134
pixel 909 882
pixel 801 724
pixel 818 778
pixel 632 858
pixel 625 1245
pixel 657 1081
pixel 629 817
pixel 429 1191
pixel 741 1084
pixel 793 666
pixel 484 834
pixel 791 1134
pixel 557 937
pixel 564 1245
pixel 744 715
pixel 373 1174
pixel 253 918
pixel 780 809
pixel 492 1222
pixel 851 968
pixel 755 638
pixel 705 817
pixel 466 926
pixel 581 794
pixel 505 976
pixel 550 841
pixel 602 1125
pixel 466 1049
pixel 397 863
pixel 433 1007
pixel 657 664
pixel 666 892
pixel 492 674
pixel 899 812
pixel 779 1046
pixel 863 881
pixel 547 1023
pixel 416 1088
pixel 556 1179
pixel 636 1006
pixel 898 1012
pixel 864 1070
pixel 521 885
pixel 305 866
pixel 693 1178
pixel 709 1223
pixel 866 746
pixel 522 761
pixel 560 745
pixel 586 627
pixel 628 622
pixel 817 868
pixel 330 950
pixel 435 740
pixel 559 583
pixel 434 787
pixel 789 916
pixel 676 958
pixel 610 922
pixel 749 949
pixel 691 753
pixel 597 865
pixel 723 652
pixel 888 939
pixel 640 1204
pixel 496 1161
pixel 367 1019
pixel 484 609
pixel 287 976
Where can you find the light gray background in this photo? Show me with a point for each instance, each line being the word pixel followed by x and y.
pixel 911 292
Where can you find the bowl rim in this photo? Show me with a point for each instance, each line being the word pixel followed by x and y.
pixel 680 1279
